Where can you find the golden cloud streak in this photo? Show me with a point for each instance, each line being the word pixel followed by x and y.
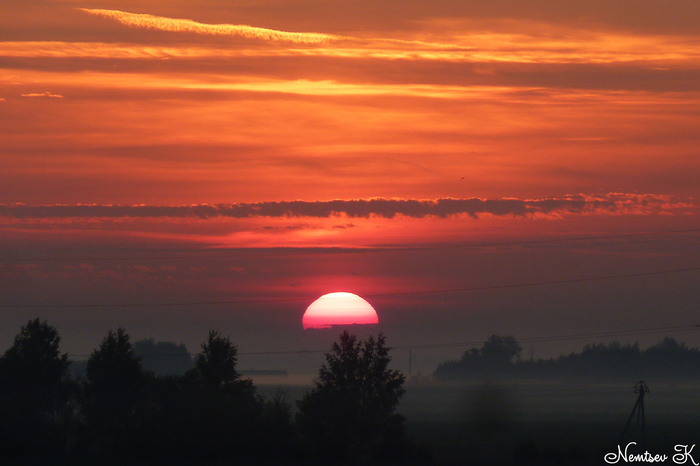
pixel 187 25
pixel 478 47
pixel 213 82
pixel 541 53
pixel 333 88
pixel 43 94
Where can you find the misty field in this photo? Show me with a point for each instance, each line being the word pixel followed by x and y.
pixel 538 422
pixel 545 421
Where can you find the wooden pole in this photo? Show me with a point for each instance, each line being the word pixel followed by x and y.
pixel 640 388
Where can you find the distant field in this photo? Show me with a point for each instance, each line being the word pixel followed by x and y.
pixel 561 423
pixel 538 422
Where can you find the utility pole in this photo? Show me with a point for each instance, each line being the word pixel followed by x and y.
pixel 641 388
pixel 410 362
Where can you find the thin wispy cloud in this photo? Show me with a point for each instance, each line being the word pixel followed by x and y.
pixel 43 94
pixel 475 48
pixel 615 203
pixel 162 23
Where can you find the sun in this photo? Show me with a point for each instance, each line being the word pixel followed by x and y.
pixel 339 308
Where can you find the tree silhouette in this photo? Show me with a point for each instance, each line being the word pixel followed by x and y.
pixel 350 414
pixel 500 350
pixel 34 391
pixel 278 432
pixel 609 361
pixel 221 409
pixel 113 392
pixel 495 357
pixel 216 364
pixel 669 357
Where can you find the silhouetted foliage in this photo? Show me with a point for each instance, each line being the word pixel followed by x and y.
pixel 123 413
pixel 120 412
pixel 216 364
pixel 113 394
pixel 34 392
pixel 496 356
pixel 221 409
pixel 279 433
pixel 500 350
pixel 163 357
pixel 670 358
pixel 598 361
pixel 350 414
pixel 601 360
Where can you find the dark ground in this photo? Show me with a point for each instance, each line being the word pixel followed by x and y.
pixel 514 422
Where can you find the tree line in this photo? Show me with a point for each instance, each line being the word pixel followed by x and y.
pixel 119 410
pixel 501 356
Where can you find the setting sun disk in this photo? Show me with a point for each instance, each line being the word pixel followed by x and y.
pixel 340 308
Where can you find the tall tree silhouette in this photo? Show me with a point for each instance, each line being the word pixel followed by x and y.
pixel 223 409
pixel 34 390
pixel 351 413
pixel 216 364
pixel 113 393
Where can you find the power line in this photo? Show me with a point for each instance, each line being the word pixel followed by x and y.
pixel 376 295
pixel 539 339
pixel 571 239
pixel 577 336
pixel 298 251
pixel 541 283
pixel 172 304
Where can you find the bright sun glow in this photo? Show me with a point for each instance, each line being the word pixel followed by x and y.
pixel 339 309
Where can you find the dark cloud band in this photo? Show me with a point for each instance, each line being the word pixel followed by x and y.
pixel 364 208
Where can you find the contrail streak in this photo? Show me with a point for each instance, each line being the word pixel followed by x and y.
pixel 162 23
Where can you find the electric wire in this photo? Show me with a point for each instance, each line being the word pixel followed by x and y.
pixel 376 295
pixel 290 252
pixel 380 295
pixel 472 343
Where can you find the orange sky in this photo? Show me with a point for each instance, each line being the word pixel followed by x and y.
pixel 159 103
pixel 164 104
